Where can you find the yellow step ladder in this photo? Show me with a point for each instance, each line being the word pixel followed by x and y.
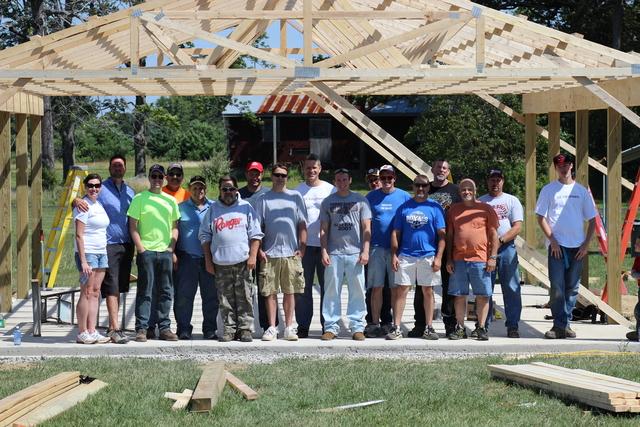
pixel 73 187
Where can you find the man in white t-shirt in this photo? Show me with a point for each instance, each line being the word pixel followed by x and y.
pixel 313 191
pixel 563 207
pixel 510 216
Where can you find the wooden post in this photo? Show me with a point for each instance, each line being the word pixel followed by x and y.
pixel 36 193
pixel 23 244
pixel 531 224
pixel 554 142
pixel 307 39
pixel 6 264
pixel 283 38
pixel 582 168
pixel 614 215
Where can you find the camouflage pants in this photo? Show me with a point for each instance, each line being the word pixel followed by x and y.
pixel 235 292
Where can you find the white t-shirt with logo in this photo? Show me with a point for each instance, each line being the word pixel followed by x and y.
pixel 566 208
pixel 95 221
pixel 507 207
pixel 313 197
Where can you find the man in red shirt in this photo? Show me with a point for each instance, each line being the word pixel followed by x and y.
pixel 472 239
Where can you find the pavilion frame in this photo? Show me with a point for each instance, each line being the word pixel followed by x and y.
pixel 401 47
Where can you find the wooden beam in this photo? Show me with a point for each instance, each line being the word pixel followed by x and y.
pixel 582 168
pixel 23 242
pixel 13 88
pixel 6 227
pixel 167 44
pixel 356 15
pixel 307 35
pixel 389 42
pixel 209 387
pixel 545 134
pixel 480 43
pixel 134 42
pixel 614 206
pixel 35 138
pixel 554 141
pixel 283 38
pixel 193 30
pixel 530 221
pixel 610 100
pixel 63 378
pixel 241 387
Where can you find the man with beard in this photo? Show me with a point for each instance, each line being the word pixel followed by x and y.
pixel 175 177
pixel 445 193
pixel 472 238
pixel 230 236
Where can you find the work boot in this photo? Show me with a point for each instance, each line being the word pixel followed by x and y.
pixel 167 335
pixel 141 335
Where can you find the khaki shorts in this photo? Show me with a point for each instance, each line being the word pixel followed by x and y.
pixel 282 275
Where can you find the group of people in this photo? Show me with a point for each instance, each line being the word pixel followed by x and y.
pixel 285 240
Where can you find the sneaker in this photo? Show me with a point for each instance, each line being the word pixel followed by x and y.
pixel 141 335
pixel 430 334
pixel 394 334
pixel 270 334
pixel 290 333
pixel 372 330
pixel 245 336
pixel 458 334
pixel 358 336
pixel 474 333
pixel 151 334
pixel 569 333
pixel 100 339
pixel 328 336
pixel 483 334
pixel 513 333
pixel 632 336
pixel 555 334
pixel 385 329
pixel 227 337
pixel 303 332
pixel 416 333
pixel 167 335
pixel 85 338
pixel 117 336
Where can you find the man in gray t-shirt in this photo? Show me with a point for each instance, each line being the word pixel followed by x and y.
pixel 282 215
pixel 345 234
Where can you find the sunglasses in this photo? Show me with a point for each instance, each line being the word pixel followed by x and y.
pixel 420 185
pixel 342 170
pixel 228 189
pixel 279 175
pixel 387 178
pixel 156 176
pixel 374 179
pixel 93 185
pixel 175 174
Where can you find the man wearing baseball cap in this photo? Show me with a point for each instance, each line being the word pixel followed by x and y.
pixel 190 271
pixel 251 193
pixel 373 178
pixel 175 176
pixel 563 207
pixel 510 216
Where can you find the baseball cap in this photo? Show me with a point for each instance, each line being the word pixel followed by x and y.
pixel 387 168
pixel 255 165
pixel 156 168
pixel 373 171
pixel 197 179
pixel 495 172
pixel 562 159
pixel 174 166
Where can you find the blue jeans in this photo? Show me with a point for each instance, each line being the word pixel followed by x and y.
pixel 507 270
pixel 155 282
pixel 564 275
pixel 341 267
pixel 312 265
pixel 191 273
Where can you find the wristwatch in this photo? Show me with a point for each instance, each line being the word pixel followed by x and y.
pixel 493 257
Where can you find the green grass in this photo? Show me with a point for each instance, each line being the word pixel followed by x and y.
pixel 445 392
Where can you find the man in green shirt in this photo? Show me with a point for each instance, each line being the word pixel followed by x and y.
pixel 153 224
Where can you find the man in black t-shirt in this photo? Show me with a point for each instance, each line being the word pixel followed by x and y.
pixel 445 193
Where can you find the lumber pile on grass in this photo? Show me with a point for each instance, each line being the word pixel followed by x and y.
pixel 601 391
pixel 46 399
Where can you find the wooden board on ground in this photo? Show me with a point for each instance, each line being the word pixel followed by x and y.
pixel 590 388
pixel 241 387
pixel 181 399
pixel 209 387
pixel 60 404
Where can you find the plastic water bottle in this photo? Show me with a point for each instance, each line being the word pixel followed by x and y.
pixel 17 336
pixel 1 320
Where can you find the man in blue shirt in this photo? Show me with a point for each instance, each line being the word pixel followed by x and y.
pixel 384 202
pixel 115 197
pixel 190 271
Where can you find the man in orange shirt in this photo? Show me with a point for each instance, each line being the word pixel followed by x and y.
pixel 472 236
pixel 175 176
